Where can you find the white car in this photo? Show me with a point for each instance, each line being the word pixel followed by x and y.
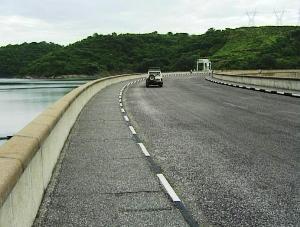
pixel 154 77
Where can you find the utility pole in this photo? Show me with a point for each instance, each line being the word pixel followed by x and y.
pixel 279 16
pixel 251 17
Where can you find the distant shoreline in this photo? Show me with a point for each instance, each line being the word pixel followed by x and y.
pixel 62 78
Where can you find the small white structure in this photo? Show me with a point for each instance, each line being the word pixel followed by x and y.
pixel 206 64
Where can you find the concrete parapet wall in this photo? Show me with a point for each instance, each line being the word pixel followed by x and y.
pixel 29 157
pixel 281 79
pixel 287 73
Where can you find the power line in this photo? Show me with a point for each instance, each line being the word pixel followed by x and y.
pixel 279 16
pixel 251 17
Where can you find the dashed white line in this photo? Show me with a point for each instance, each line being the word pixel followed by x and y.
pixel 120 100
pixel 126 118
pixel 132 130
pixel 280 92
pixel 122 110
pixel 146 153
pixel 168 188
pixel 121 104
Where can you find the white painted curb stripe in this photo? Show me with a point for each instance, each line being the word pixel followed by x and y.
pixel 132 130
pixel 122 110
pixel 146 153
pixel 254 88
pixel 126 118
pixel 168 188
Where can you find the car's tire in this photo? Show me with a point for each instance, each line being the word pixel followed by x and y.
pixel 147 85
pixel 151 77
pixel 161 85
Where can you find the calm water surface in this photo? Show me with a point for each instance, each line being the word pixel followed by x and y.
pixel 21 100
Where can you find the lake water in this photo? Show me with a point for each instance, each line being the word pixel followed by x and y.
pixel 21 100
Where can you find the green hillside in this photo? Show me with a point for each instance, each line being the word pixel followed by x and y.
pixel 14 58
pixel 242 48
pixel 260 48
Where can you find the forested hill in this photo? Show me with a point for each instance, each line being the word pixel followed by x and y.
pixel 242 48
pixel 15 58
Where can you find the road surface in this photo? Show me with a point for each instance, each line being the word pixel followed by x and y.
pixel 102 178
pixel 232 155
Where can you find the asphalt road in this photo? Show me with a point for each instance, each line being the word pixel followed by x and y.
pixel 232 155
pixel 102 178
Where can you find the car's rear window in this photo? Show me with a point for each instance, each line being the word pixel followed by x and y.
pixel 154 73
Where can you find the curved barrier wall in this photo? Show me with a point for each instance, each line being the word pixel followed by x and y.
pixel 288 80
pixel 29 157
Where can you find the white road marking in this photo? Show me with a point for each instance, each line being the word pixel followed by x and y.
pixel 120 97
pixel 121 105
pixel 297 95
pixel 120 100
pixel 280 92
pixel 168 188
pixel 146 153
pixel 126 118
pixel 256 89
pixel 132 130
pixel 122 110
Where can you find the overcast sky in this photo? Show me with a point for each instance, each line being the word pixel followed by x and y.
pixel 66 21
